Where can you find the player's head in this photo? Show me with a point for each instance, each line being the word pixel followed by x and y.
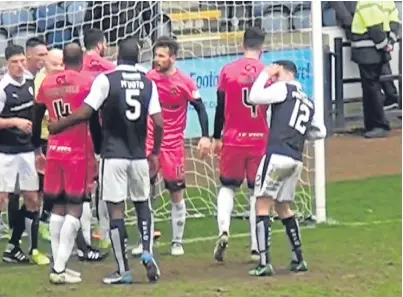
pixel 94 40
pixel 165 53
pixel 253 39
pixel 128 51
pixel 73 56
pixel 287 70
pixel 36 51
pixel 16 60
pixel 54 61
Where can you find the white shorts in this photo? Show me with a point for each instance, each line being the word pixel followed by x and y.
pixel 123 178
pixel 277 177
pixel 18 171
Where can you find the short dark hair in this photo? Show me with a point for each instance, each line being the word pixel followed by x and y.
pixel 13 50
pixel 287 65
pixel 73 55
pixel 170 43
pixel 253 38
pixel 92 37
pixel 34 42
pixel 129 49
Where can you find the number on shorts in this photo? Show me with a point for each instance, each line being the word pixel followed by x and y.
pixel 133 112
pixel 61 109
pixel 245 97
pixel 180 171
pixel 300 116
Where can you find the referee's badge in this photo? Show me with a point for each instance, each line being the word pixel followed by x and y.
pixel 31 91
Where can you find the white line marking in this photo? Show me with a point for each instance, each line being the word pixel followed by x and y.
pixel 242 235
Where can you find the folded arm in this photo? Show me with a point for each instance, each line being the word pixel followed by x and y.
pixel 261 95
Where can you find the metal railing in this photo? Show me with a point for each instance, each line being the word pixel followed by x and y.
pixel 339 81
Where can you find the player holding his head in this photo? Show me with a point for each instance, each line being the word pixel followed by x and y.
pixel 244 136
pixel 67 172
pixel 292 122
pixel 176 90
pixel 17 155
pixel 126 98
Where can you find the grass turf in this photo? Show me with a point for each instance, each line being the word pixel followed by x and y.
pixel 360 256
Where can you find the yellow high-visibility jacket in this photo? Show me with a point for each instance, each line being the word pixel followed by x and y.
pixel 39 78
pixel 375 25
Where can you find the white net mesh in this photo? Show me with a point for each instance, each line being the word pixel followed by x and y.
pixel 210 33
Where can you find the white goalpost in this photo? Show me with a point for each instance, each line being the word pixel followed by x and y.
pixel 210 34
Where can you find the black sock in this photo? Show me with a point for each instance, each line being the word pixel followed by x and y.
pixel 263 235
pixel 32 227
pixel 18 226
pixel 144 221
pixel 293 233
pixel 13 209
pixel 47 210
pixel 81 243
pixel 117 235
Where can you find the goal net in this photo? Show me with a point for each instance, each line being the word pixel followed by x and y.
pixel 210 34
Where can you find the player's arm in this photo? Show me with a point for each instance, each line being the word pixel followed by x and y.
pixel 96 132
pixel 219 117
pixel 154 111
pixel 200 108
pixel 317 129
pixel 39 113
pixel 262 95
pixel 97 96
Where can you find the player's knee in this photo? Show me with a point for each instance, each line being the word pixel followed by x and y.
pixel 74 207
pixel 230 182
pixel 31 201
pixel 175 186
pixel 116 211
pixel 263 206
pixel 283 210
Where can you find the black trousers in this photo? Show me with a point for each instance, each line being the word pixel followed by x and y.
pixel 388 87
pixel 373 99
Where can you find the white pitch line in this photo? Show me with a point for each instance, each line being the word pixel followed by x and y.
pixel 242 235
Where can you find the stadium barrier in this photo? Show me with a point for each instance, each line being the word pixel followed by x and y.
pixel 340 119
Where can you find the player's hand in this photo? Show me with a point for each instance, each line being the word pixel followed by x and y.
pixel 204 147
pixel 40 162
pixel 272 70
pixel 388 48
pixel 52 127
pixel 153 163
pixel 217 146
pixel 23 125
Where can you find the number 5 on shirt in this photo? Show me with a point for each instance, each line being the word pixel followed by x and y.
pixel 133 112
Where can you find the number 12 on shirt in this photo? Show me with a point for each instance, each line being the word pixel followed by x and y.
pixel 300 116
pixel 245 97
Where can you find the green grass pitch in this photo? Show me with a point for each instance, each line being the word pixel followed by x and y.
pixel 360 256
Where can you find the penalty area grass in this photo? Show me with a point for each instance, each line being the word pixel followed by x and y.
pixel 360 256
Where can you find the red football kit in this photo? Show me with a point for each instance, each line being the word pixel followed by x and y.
pixel 245 131
pixel 95 64
pixel 68 169
pixel 175 92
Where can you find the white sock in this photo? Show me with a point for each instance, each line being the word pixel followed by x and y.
pixel 252 221
pixel 68 235
pixel 103 219
pixel 85 221
pixel 178 214
pixel 225 204
pixel 55 226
